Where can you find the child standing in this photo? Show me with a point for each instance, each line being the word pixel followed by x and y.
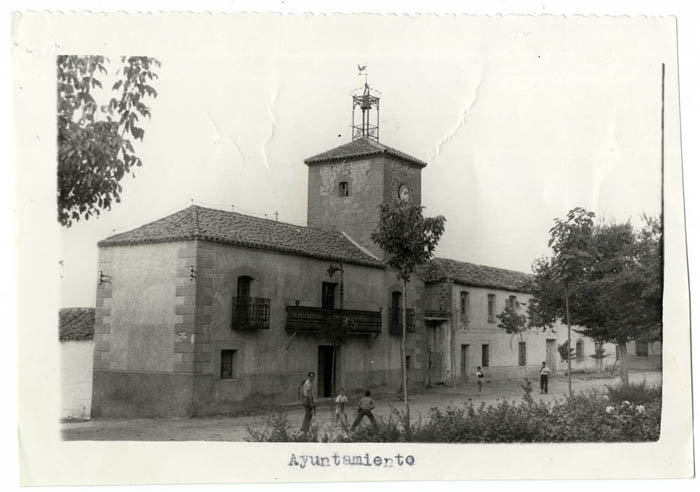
pixel 364 408
pixel 340 415
pixel 479 377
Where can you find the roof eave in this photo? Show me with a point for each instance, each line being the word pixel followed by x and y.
pixel 413 162
pixel 486 285
pixel 242 244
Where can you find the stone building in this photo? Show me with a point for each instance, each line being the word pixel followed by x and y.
pixel 206 310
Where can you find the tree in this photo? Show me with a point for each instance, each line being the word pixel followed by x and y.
pixel 95 142
pixel 622 299
pixel 546 305
pixel 565 351
pixel 613 292
pixel 512 321
pixel 599 355
pixel 336 330
pixel 408 240
pixel 570 240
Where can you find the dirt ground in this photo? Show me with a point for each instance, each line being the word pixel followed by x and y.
pixel 234 428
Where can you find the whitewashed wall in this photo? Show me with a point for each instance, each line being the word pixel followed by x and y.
pixel 474 330
pixel 76 378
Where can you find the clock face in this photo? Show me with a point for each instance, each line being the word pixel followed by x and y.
pixel 404 194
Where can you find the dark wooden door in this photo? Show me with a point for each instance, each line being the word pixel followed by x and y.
pixel 485 355
pixel 243 312
pixel 328 295
pixel 243 287
pixel 325 371
pixel 464 361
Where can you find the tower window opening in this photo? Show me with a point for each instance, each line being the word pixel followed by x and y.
pixel 344 189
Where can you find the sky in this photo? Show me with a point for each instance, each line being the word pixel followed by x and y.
pixel 518 121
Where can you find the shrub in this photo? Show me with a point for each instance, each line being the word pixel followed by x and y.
pixel 391 429
pixel 633 393
pixel 581 417
pixel 276 428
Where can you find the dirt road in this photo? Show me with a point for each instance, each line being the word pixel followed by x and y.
pixel 234 428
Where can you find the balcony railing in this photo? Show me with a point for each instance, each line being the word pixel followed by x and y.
pixel 312 320
pixel 437 314
pixel 250 313
pixel 397 321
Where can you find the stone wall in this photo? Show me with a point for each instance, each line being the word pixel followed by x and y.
pixel 140 357
pixel 372 181
pixel 165 316
pixel 397 173
pixel 270 363
pixel 358 213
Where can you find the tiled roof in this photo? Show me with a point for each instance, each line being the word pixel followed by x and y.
pixel 76 324
pixel 442 269
pixel 220 226
pixel 362 147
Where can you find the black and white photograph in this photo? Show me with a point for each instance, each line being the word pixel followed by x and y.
pixel 355 230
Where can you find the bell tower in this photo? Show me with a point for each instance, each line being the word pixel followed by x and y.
pixel 347 184
pixel 365 122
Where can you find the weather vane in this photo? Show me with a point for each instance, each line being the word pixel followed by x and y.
pixel 362 69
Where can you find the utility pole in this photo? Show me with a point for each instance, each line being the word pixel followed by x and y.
pixel 334 364
pixel 663 104
pixel 568 334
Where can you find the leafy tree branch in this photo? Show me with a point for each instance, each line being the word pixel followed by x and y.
pixel 95 141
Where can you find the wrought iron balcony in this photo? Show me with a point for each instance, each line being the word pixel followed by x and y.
pixel 250 313
pixel 397 321
pixel 312 320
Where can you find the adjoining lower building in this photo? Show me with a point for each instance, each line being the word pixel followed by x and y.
pixel 75 334
pixel 462 304
pixel 645 353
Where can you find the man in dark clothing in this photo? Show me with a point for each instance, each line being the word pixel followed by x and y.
pixel 544 378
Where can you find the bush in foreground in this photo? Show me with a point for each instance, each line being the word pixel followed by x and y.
pixel 582 417
pixel 633 392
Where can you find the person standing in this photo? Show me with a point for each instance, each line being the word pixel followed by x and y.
pixel 340 415
pixel 364 409
pixel 307 399
pixel 544 378
pixel 479 377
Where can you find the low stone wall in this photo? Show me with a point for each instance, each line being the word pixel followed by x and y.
pixel 119 394
pixel 213 397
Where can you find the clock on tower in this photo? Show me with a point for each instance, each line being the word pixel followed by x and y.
pixel 404 194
